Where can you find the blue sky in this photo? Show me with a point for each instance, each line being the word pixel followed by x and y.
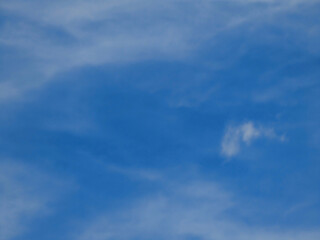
pixel 180 120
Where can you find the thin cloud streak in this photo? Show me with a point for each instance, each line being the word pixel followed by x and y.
pixel 194 209
pixel 71 34
pixel 25 194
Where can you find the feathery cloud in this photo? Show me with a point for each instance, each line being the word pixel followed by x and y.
pixel 73 33
pixel 25 193
pixel 190 210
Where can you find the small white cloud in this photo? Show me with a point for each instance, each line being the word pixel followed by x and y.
pixel 245 133
pixel 249 132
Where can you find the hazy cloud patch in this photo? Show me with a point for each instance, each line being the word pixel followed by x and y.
pixel 193 209
pixel 25 193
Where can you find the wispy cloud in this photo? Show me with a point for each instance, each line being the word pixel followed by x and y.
pixel 193 209
pixel 143 174
pixel 25 193
pixel 68 34
pixel 236 136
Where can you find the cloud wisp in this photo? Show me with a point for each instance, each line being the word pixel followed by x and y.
pixel 71 34
pixel 244 134
pixel 25 194
pixel 193 209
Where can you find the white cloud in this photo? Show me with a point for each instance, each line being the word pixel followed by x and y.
pixel 122 31
pixel 182 210
pixel 25 193
pixel 73 33
pixel 236 136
